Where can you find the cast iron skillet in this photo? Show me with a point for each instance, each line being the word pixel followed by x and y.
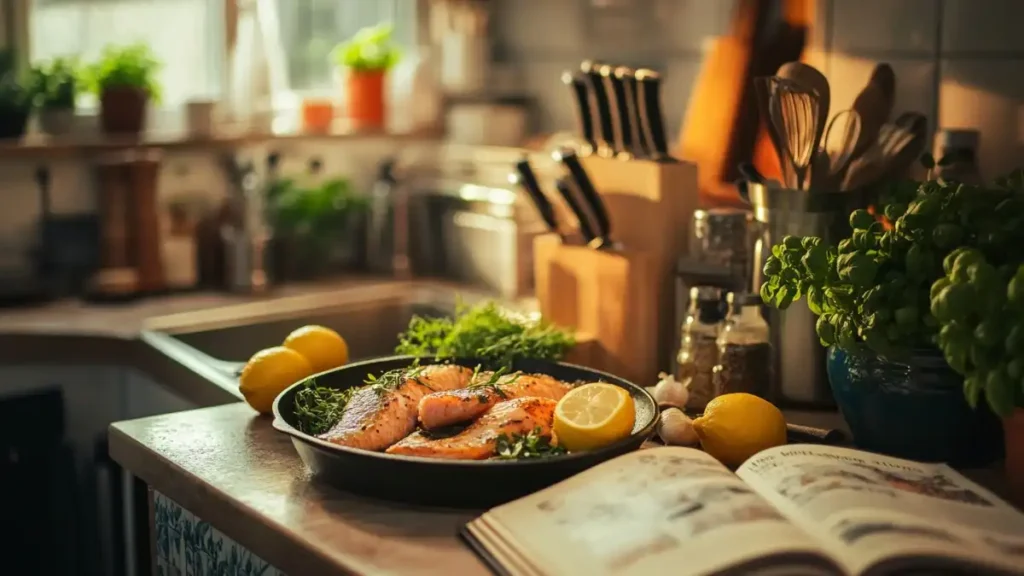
pixel 462 484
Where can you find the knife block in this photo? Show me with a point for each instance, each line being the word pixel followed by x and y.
pixel 603 294
pixel 650 207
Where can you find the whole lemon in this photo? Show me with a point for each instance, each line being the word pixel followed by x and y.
pixel 734 427
pixel 268 373
pixel 323 347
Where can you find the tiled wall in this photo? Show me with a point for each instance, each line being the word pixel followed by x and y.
pixel 960 62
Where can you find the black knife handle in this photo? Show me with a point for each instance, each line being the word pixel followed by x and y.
pixel 528 181
pixel 652 121
pixel 616 111
pixel 569 195
pixel 581 104
pixel 599 108
pixel 627 81
pixel 579 176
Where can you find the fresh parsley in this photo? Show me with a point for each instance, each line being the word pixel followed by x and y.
pixel 534 444
pixel 484 331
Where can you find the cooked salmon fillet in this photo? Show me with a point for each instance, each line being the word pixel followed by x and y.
pixel 381 414
pixel 439 409
pixel 479 441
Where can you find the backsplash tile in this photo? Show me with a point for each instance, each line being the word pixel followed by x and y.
pixel 908 26
pixel 988 95
pixel 915 83
pixel 982 26
pixel 686 24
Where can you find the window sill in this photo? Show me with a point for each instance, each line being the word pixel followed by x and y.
pixel 40 145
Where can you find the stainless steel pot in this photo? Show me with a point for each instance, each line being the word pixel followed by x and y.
pixel 799 358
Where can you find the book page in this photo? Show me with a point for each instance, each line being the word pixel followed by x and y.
pixel 873 508
pixel 654 511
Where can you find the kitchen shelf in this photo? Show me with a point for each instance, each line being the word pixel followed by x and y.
pixel 42 146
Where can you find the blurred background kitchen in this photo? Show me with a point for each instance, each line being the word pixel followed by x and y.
pixel 260 164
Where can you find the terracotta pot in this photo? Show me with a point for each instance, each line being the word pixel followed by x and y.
pixel 1013 428
pixel 364 98
pixel 123 110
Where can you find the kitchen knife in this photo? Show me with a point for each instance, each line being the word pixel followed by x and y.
pixel 599 108
pixel 651 120
pixel 525 178
pixel 569 194
pixel 616 111
pixel 581 105
pixel 625 77
pixel 581 181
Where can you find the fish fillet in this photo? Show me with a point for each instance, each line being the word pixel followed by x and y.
pixel 378 416
pixel 479 441
pixel 439 409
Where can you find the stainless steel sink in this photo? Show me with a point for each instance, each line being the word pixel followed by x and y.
pixel 371 330
pixel 214 343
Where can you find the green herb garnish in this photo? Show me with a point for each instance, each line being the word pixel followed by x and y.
pixel 318 408
pixel 493 382
pixel 535 444
pixel 393 379
pixel 483 331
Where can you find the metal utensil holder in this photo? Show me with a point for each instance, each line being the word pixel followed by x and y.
pixel 799 376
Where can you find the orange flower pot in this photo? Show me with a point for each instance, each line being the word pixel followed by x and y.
pixel 364 98
pixel 1013 427
pixel 317 115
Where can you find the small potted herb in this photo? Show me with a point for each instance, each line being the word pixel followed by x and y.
pixel 15 99
pixel 365 60
pixel 55 87
pixel 124 80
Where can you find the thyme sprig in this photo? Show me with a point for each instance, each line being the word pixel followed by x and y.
pixel 318 408
pixel 493 382
pixel 534 444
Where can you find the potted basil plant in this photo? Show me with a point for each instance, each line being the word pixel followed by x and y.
pixel 15 99
pixel 917 337
pixel 124 81
pixel 56 85
pixel 364 61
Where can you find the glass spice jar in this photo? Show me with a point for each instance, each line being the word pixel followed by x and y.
pixel 698 348
pixel 744 349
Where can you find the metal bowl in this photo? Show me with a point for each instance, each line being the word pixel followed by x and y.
pixel 451 483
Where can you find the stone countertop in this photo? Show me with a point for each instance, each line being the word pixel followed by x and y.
pixel 228 465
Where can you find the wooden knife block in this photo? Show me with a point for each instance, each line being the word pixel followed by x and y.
pixel 602 294
pixel 650 206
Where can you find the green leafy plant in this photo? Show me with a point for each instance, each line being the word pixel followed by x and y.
pixel 935 272
pixel 130 66
pixel 483 331
pixel 314 209
pixel 371 49
pixel 15 95
pixel 55 83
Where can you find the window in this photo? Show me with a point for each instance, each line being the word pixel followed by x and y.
pixel 187 35
pixel 311 28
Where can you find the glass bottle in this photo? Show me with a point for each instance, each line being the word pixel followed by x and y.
pixel 698 351
pixel 744 349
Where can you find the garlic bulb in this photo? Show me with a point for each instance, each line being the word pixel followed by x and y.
pixel 676 429
pixel 670 392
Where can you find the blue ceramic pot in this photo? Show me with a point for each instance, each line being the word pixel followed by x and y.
pixel 913 410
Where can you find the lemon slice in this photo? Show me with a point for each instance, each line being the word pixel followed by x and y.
pixel 594 415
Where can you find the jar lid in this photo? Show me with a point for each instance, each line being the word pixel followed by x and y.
pixel 958 139
pixel 703 293
pixel 743 298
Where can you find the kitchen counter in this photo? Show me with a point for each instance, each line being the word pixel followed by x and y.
pixel 131 334
pixel 228 465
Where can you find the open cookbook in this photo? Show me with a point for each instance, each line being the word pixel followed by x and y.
pixel 792 510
